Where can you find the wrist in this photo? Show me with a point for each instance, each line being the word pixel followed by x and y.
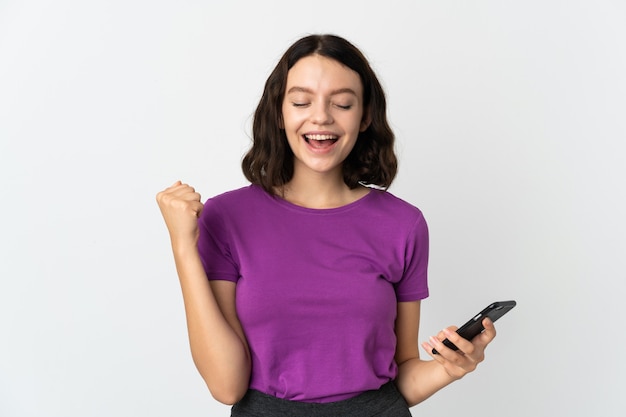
pixel 182 246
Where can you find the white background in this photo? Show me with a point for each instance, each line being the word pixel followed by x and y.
pixel 510 119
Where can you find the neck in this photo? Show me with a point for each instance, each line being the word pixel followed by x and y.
pixel 320 191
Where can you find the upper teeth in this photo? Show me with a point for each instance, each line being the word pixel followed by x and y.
pixel 321 137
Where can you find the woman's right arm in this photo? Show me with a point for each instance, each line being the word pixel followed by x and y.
pixel 218 344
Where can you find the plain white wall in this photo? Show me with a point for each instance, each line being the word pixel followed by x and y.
pixel 510 119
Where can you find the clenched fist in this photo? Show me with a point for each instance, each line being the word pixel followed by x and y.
pixel 180 206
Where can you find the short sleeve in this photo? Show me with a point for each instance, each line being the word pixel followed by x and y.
pixel 414 283
pixel 214 245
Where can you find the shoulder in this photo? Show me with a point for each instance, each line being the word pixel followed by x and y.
pixel 243 193
pixel 238 202
pixel 251 194
pixel 393 206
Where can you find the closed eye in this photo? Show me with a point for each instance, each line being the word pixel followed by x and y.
pixel 300 104
pixel 346 107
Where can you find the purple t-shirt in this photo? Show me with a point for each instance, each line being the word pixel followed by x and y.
pixel 317 289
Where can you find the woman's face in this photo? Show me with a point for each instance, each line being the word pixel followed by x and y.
pixel 322 114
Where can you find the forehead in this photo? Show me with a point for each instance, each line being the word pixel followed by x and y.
pixel 322 74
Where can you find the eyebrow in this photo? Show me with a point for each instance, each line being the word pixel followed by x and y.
pixel 332 93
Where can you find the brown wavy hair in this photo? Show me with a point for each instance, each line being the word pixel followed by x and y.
pixel 372 161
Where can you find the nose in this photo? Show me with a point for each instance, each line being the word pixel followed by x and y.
pixel 321 114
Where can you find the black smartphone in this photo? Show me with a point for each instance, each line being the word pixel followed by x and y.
pixel 475 325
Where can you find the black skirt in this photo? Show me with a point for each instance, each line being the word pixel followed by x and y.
pixel 384 402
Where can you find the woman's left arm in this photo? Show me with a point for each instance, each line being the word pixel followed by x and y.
pixel 419 379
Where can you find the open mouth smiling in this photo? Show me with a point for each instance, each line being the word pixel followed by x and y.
pixel 320 141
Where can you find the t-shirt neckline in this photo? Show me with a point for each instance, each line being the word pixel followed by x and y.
pixel 319 211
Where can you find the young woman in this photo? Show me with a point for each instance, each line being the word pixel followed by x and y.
pixel 302 291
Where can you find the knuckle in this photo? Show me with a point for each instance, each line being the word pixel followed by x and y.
pixel 460 361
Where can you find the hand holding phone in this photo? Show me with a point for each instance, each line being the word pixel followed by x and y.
pixel 474 326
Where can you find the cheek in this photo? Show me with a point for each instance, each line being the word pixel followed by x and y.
pixel 353 124
pixel 292 120
pixel 290 126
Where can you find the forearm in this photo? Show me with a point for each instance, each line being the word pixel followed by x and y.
pixel 219 350
pixel 418 379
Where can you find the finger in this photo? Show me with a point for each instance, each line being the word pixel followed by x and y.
pixel 189 196
pixel 180 191
pixel 161 194
pixel 464 345
pixel 189 202
pixel 197 208
pixel 441 349
pixel 428 347
pixel 487 335
pixel 454 361
pixel 437 344
pixel 180 188
pixel 174 186
pixel 441 335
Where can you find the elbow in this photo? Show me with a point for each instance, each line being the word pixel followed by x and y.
pixel 227 395
pixel 227 380
pixel 227 398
